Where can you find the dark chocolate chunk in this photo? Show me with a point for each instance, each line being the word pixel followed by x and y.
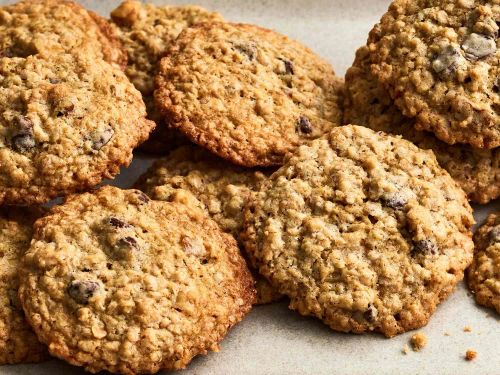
pixel 82 290
pixel 424 247
pixel 117 223
pixel 395 201
pixel 304 125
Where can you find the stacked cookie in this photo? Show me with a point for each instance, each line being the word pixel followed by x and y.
pixel 429 72
pixel 269 196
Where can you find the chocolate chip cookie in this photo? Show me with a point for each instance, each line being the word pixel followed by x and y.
pixel 18 343
pixel 362 230
pixel 484 273
pixel 55 26
pixel 146 31
pixel 203 180
pixel 67 122
pixel 246 93
pixel 367 103
pixel 115 281
pixel 440 61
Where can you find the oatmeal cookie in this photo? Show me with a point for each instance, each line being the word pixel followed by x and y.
pixel 361 229
pixel 115 281
pixel 221 189
pixel 246 93
pixel 440 61
pixel 67 122
pixel 484 273
pixel 367 103
pixel 18 343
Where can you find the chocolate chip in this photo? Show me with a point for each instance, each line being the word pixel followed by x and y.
pixel 117 223
pixel 395 201
pixel 370 313
pixel 249 49
pixel 143 197
pixel 6 53
pixel 424 247
pixel 129 243
pixel 448 61
pixel 82 290
pixel 103 138
pixel 304 125
pixel 495 234
pixel 496 85
pixel 288 66
pixel 14 299
pixel 478 46
pixel 23 142
pixel 66 110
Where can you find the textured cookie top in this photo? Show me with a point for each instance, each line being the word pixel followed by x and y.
pixel 367 103
pixel 67 122
pixel 198 178
pixel 484 273
pixel 362 230
pixel 220 188
pixel 440 60
pixel 18 343
pixel 147 30
pixel 246 93
pixel 115 281
pixel 54 26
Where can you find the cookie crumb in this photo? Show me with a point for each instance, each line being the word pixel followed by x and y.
pixel 406 349
pixel 467 329
pixel 470 355
pixel 418 341
pixel 447 334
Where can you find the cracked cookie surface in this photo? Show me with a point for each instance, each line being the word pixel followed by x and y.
pixel 18 343
pixel 246 93
pixel 367 103
pixel 115 281
pixel 484 273
pixel 68 121
pixel 218 187
pixel 147 31
pixel 440 61
pixel 362 230
pixel 55 26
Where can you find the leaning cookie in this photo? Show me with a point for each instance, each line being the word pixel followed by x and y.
pixel 55 26
pixel 246 93
pixel 198 178
pixel 484 273
pixel 147 31
pixel 18 343
pixel 477 171
pixel 115 281
pixel 361 229
pixel 69 121
pixel 440 61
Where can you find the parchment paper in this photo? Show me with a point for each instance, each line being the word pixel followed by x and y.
pixel 275 340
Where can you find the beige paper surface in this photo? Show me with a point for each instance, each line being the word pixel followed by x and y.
pixel 274 340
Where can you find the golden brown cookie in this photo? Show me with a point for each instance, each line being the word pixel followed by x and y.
pixel 115 281
pixel 55 26
pixel 18 343
pixel 147 31
pixel 68 122
pixel 440 61
pixel 367 103
pixel 203 180
pixel 246 93
pixel 484 273
pixel 361 229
